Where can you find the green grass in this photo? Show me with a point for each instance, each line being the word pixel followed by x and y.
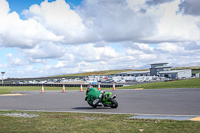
pixel 8 90
pixel 195 69
pixel 107 72
pixel 189 83
pixel 89 123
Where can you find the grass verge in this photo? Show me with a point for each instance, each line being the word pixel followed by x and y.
pixel 8 90
pixel 189 83
pixel 82 122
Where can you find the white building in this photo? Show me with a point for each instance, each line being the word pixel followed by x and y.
pixel 197 75
pixel 175 74
pixel 160 70
pixel 134 73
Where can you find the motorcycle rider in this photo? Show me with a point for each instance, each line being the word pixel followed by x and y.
pixel 94 95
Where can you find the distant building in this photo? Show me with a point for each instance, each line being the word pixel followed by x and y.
pixel 197 75
pixel 174 74
pixel 160 70
pixel 134 73
pixel 156 68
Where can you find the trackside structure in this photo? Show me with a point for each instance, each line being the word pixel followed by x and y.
pixel 161 70
pixel 174 74
pixel 158 67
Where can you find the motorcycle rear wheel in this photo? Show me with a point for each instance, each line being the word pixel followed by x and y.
pixel 114 103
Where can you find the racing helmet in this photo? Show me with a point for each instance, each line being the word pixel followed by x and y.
pixel 88 87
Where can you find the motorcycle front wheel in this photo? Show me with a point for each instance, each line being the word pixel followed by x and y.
pixel 94 106
pixel 114 103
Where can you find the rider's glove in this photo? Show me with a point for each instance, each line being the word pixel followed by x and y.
pixel 102 91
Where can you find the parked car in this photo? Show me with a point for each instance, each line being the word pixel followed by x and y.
pixel 107 81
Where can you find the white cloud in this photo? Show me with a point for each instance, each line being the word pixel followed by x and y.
pixel 45 50
pixel 4 8
pixel 74 55
pixel 29 68
pixel 157 2
pixel 90 53
pixel 140 55
pixel 98 20
pixel 3 66
pixel 118 20
pixel 15 32
pixel 55 39
pixel 90 58
pixel 139 46
pixel 14 61
pixel 87 57
pixel 171 48
pixel 59 18
pixel 190 7
pixel 175 27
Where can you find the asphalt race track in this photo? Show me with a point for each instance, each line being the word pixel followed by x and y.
pixel 151 101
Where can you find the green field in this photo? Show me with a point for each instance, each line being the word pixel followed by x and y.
pixel 83 122
pixel 107 72
pixel 189 83
pixel 7 90
pixel 89 123
pixel 195 69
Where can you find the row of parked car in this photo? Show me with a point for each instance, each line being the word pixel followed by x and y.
pixel 107 81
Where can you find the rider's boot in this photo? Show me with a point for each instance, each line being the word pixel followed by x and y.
pixel 96 101
pixel 101 104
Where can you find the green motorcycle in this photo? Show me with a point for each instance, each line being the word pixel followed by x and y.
pixel 107 101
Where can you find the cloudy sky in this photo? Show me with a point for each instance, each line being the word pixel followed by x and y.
pixel 52 37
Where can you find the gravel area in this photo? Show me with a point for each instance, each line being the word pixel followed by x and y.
pixel 91 118
pixel 24 115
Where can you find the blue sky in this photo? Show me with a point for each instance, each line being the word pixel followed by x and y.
pixel 20 5
pixel 44 38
